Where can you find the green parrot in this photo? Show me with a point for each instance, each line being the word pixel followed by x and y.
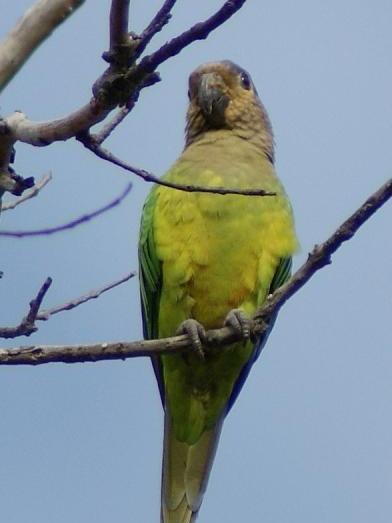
pixel 208 260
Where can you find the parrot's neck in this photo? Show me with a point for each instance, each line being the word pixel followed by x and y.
pixel 261 140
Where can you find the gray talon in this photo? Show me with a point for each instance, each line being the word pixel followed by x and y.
pixel 238 320
pixel 196 333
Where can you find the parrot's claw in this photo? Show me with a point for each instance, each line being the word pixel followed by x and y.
pixel 196 334
pixel 239 321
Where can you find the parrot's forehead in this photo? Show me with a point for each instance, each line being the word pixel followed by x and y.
pixel 223 67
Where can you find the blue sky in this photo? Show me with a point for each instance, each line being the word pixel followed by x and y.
pixel 310 437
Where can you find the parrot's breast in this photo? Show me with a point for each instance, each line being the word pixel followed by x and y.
pixel 218 253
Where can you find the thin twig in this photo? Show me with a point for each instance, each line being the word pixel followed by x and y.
pixel 74 223
pixel 107 129
pixel 199 31
pixel 103 153
pixel 27 325
pixel 161 18
pixel 321 256
pixel 45 314
pixel 30 193
pixel 34 27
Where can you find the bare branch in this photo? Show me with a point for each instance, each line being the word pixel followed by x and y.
pixel 119 15
pixel 40 134
pixel 74 223
pixel 155 26
pixel 13 183
pixel 199 31
pixel 27 325
pixel 321 256
pixel 89 143
pixel 30 193
pixel 37 24
pixel 113 88
pixel 45 314
pixel 107 129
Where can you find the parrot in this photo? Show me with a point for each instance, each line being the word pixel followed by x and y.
pixel 207 260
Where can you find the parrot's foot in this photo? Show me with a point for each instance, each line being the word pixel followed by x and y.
pixel 239 321
pixel 196 334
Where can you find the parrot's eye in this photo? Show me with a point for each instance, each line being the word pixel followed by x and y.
pixel 245 81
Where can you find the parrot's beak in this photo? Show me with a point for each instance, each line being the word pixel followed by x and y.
pixel 211 99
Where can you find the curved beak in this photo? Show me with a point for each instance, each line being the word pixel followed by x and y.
pixel 211 99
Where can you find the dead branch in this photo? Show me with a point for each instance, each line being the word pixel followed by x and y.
pixel 199 31
pixel 113 88
pixel 30 193
pixel 119 16
pixel 89 142
pixel 27 325
pixel 32 29
pixel 108 128
pixel 45 314
pixel 155 26
pixel 321 254
pixel 73 223
pixel 119 85
pixel 320 257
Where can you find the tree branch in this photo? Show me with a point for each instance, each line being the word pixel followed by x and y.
pixel 30 193
pixel 107 129
pixel 113 88
pixel 119 16
pixel 321 256
pixel 45 314
pixel 33 28
pixel 74 223
pixel 155 26
pixel 199 31
pixel 27 325
pixel 89 142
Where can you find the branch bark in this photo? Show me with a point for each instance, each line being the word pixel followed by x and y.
pixel 27 326
pixel 45 314
pixel 320 257
pixel 113 88
pixel 30 193
pixel 159 21
pixel 199 31
pixel 74 223
pixel 89 142
pixel 33 28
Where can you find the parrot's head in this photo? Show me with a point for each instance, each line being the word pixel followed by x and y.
pixel 222 97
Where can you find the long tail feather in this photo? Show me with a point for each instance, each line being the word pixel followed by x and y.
pixel 185 472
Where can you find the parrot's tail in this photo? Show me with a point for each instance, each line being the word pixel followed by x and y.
pixel 185 472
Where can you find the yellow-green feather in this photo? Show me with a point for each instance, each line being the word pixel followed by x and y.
pixel 217 253
pixel 202 255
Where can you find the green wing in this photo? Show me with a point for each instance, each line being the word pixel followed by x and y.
pixel 150 276
pixel 282 274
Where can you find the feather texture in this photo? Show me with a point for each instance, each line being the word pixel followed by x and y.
pixel 202 255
